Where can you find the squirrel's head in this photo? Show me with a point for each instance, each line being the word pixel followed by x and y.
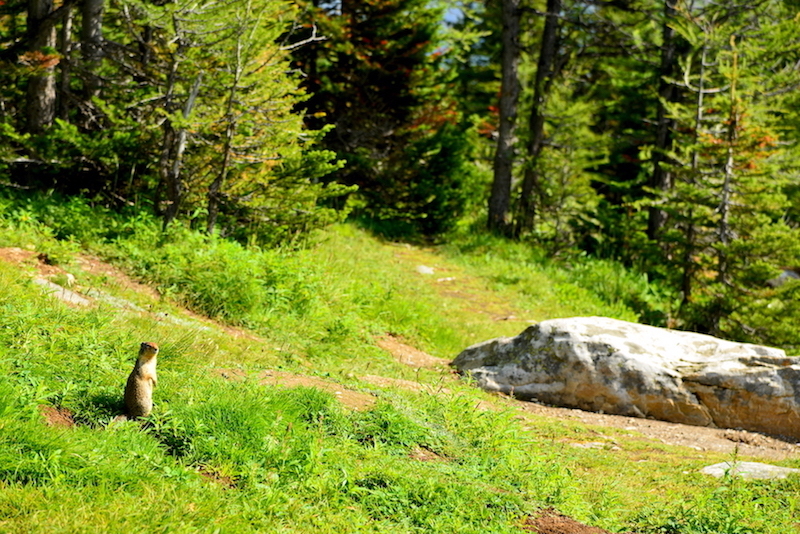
pixel 148 349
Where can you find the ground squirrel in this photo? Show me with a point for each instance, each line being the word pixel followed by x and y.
pixel 139 389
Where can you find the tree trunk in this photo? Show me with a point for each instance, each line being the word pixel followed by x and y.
pixel 661 179
pixel 690 232
pixel 41 92
pixel 724 209
pixel 64 92
pixel 92 52
pixel 173 148
pixel 500 199
pixel 214 195
pixel 545 73
pixel 214 190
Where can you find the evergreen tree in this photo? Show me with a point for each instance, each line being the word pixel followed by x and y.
pixel 729 203
pixel 375 76
pixel 549 64
pixel 191 106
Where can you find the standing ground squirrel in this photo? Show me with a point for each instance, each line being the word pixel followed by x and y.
pixel 142 380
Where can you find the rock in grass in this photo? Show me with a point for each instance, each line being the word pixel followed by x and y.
pixel 749 470
pixel 605 365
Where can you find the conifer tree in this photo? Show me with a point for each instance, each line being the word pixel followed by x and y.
pixel 729 200
pixel 374 75
pixel 41 60
pixel 190 106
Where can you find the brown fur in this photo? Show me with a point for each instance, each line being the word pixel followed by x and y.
pixel 142 380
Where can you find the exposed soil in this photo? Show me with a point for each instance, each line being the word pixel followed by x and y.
pixel 355 400
pixel 698 438
pixel 408 355
pixel 453 283
pixel 98 267
pixel 224 481
pixel 549 521
pixel 350 398
pixel 58 417
pixel 46 273
pixel 30 258
pixel 422 454
pixel 410 385
pixel 695 437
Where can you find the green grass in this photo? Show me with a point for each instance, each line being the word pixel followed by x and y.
pixel 238 456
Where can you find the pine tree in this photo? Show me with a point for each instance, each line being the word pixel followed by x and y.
pixel 375 76
pixel 729 202
pixel 191 107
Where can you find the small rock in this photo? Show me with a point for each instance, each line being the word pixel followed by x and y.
pixel 596 445
pixel 62 293
pixel 422 269
pixel 749 470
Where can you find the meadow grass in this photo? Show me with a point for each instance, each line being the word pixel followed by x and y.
pixel 239 456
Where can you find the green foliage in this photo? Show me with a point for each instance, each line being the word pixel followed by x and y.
pixel 566 198
pixel 736 506
pixel 192 118
pixel 617 285
pixel 425 189
pixel 728 233
pixel 379 81
pixel 286 449
pixel 386 425
pixel 589 286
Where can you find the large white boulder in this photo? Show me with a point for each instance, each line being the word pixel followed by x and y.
pixel 605 365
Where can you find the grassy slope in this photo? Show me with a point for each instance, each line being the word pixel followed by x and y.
pixel 243 457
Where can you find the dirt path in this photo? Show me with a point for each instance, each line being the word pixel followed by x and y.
pixel 695 437
pixel 469 290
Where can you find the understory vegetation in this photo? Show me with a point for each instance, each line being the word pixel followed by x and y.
pixel 239 455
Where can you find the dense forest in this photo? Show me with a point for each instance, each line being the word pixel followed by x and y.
pixel 661 135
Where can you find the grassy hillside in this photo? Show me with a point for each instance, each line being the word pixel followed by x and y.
pixel 245 455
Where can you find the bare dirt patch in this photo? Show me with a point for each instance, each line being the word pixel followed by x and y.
pixel 40 262
pixel 16 255
pixel 699 438
pixel 422 454
pixel 354 400
pixel 236 375
pixel 408 355
pixel 410 385
pixel 57 417
pixel 47 275
pixel 549 521
pixel 454 283
pixel 225 481
pixel 97 267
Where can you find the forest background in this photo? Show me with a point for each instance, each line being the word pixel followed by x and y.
pixel 659 135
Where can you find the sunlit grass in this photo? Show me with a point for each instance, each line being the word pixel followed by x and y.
pixel 240 456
